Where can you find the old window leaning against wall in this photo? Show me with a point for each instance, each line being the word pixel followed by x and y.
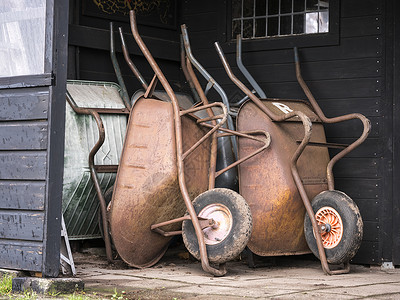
pixel 275 18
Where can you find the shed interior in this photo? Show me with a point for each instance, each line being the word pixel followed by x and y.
pixel 351 68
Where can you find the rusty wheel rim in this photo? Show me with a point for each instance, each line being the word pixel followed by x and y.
pixel 223 222
pixel 329 217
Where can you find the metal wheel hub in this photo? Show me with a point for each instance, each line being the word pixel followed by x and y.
pixel 222 224
pixel 331 220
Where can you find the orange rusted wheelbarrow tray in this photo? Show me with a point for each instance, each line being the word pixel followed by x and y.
pixel 266 180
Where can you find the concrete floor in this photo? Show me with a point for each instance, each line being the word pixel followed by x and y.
pixel 177 277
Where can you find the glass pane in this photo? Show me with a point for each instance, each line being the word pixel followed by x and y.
pixel 273 7
pixel 286 25
pixel 236 28
pixel 272 26
pixel 261 7
pixel 323 4
pixel 324 21
pixel 298 5
pixel 247 29
pixel 312 22
pixel 248 6
pixel 312 4
pixel 298 24
pixel 286 6
pixel 22 37
pixel 236 9
pixel 260 28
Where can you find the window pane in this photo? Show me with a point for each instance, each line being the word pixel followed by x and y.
pixel 298 5
pixel 236 28
pixel 324 21
pixel 22 37
pixel 312 4
pixel 247 29
pixel 298 24
pixel 248 6
pixel 236 9
pixel 273 7
pixel 261 7
pixel 286 6
pixel 286 25
pixel 312 22
pixel 260 28
pixel 272 26
pixel 324 4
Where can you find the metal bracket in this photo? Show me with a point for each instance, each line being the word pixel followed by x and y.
pixel 66 259
pixel 387 265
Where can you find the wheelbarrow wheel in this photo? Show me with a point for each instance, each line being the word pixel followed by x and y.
pixel 342 218
pixel 233 225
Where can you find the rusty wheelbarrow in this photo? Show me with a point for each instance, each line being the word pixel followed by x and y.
pixel 279 182
pixel 169 158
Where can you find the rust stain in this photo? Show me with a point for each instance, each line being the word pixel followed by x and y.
pixel 267 184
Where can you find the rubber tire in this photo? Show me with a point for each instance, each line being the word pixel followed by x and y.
pixel 237 238
pixel 352 226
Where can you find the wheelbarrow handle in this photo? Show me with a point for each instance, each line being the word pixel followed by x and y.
pixel 365 121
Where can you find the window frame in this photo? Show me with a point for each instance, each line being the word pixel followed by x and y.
pixel 283 42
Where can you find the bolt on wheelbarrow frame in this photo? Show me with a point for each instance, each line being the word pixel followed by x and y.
pixel 307 134
pixel 209 123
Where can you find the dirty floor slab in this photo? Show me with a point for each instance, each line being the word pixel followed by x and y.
pixel 178 277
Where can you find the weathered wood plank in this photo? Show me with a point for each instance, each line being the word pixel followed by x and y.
pixel 25 81
pixel 352 128
pixel 22 195
pixel 368 253
pixel 361 26
pixel 23 165
pixel 21 225
pixel 369 209
pixel 372 147
pixel 193 7
pixel 371 231
pixel 349 48
pixel 21 255
pixel 354 8
pixel 24 104
pixel 96 38
pixel 319 70
pixel 357 168
pixel 23 136
pixel 200 22
pixel 322 90
pixel 371 107
pixel 363 190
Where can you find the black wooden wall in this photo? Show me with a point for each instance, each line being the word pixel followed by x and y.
pixel 351 75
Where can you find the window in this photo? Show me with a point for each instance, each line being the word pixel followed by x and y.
pixel 22 37
pixel 274 18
